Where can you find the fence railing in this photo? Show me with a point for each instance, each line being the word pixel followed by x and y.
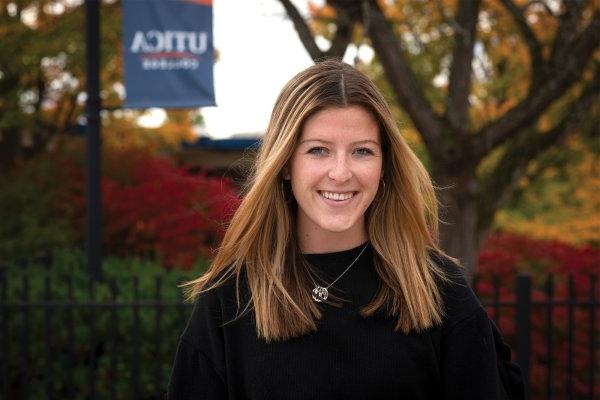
pixel 99 342
pixel 566 373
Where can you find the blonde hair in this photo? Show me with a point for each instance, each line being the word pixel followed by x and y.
pixel 402 222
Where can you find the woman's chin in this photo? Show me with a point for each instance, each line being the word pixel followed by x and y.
pixel 338 226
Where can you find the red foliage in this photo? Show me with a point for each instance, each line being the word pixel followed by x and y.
pixel 166 211
pixel 150 207
pixel 504 256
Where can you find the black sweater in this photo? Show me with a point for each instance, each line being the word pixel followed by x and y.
pixel 349 357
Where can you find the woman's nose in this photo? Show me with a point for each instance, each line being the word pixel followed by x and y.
pixel 340 170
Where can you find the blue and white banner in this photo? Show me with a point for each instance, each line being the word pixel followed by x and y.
pixel 168 46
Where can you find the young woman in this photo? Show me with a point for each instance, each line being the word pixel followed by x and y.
pixel 329 283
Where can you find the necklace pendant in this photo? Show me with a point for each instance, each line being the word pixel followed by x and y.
pixel 319 294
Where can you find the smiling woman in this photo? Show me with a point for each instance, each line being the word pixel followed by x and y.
pixel 334 253
pixel 334 174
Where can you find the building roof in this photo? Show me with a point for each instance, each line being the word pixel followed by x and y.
pixel 232 144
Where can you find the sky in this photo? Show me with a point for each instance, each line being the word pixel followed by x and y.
pixel 259 51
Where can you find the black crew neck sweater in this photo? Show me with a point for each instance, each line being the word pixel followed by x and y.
pixel 348 357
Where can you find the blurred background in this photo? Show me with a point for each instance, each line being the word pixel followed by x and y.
pixel 499 98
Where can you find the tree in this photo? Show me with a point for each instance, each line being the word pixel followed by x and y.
pixel 561 202
pixel 516 79
pixel 42 80
pixel 42 72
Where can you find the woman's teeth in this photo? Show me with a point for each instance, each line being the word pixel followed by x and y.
pixel 337 196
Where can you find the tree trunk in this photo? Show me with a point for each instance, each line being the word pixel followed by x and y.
pixel 9 149
pixel 459 235
pixel 455 148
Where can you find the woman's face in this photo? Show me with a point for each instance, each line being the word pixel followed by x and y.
pixel 335 172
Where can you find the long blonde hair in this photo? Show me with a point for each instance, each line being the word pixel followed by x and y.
pixel 402 222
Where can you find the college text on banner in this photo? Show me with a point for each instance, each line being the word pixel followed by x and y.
pixel 168 46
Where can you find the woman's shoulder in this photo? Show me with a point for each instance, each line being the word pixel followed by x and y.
pixel 460 302
pixel 212 308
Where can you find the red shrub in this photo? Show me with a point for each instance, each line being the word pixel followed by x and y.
pixel 150 207
pixel 166 211
pixel 507 255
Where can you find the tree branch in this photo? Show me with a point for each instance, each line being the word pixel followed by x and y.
pixel 569 21
pixel 58 111
pixel 68 119
pixel 339 43
pixel 343 34
pixel 502 183
pixel 535 50
pixel 528 110
pixel 541 3
pixel 304 33
pixel 459 87
pixel 401 77
pixel 40 85
pixel 446 18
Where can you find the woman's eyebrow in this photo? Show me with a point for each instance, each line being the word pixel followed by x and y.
pixel 328 142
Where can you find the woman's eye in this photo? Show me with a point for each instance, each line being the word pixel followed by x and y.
pixel 363 151
pixel 316 150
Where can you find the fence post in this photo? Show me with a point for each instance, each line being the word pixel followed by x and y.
pixel 524 326
pixel 4 378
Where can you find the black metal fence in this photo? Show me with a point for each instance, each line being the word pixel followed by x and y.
pixel 105 347
pixel 544 338
pixel 92 348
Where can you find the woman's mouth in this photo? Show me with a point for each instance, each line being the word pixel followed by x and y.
pixel 337 196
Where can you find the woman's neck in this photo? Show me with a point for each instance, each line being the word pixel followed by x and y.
pixel 330 242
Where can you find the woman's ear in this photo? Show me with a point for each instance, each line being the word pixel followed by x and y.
pixel 286 174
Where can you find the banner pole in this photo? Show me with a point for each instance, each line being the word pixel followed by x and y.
pixel 93 143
